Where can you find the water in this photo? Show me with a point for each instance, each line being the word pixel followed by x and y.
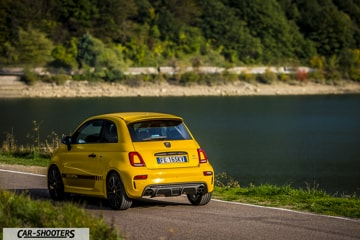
pixel 295 140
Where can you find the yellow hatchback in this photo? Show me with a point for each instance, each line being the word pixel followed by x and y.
pixel 131 155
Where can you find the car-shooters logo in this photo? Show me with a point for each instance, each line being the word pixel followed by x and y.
pixel 46 233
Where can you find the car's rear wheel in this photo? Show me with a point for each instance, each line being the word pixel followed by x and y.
pixel 55 184
pixel 199 198
pixel 116 193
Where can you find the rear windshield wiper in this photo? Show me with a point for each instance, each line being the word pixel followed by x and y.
pixel 154 138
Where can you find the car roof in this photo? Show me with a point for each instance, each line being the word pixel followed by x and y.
pixel 139 116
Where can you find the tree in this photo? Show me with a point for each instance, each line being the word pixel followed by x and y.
pixel 114 20
pixel 220 25
pixel 33 47
pixel 350 64
pixel 267 22
pixel 332 32
pixel 76 17
pixel 173 15
pixel 65 54
pixel 92 52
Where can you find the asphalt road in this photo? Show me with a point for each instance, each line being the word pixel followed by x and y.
pixel 175 218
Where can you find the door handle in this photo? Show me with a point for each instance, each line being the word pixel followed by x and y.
pixel 92 155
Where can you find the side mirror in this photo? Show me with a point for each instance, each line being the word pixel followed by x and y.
pixel 67 140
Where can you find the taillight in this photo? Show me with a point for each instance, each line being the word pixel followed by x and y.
pixel 202 156
pixel 136 160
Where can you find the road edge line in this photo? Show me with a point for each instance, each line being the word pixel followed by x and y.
pixel 286 210
pixel 24 173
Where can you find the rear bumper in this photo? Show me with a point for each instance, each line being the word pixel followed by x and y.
pixel 169 190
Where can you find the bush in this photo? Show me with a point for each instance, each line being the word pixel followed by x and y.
pixel 114 75
pixel 59 79
pixel 317 76
pixel 29 77
pixel 268 77
pixel 247 77
pixel 189 78
pixel 301 75
pixel 224 180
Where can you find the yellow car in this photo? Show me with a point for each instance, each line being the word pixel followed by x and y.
pixel 131 155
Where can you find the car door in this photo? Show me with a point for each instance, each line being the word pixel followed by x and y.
pixel 83 167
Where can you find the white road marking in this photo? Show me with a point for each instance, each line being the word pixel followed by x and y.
pixel 24 173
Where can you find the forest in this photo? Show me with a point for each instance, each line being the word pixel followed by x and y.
pixel 117 34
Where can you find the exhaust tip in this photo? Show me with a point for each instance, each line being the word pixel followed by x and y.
pixel 149 192
pixel 201 190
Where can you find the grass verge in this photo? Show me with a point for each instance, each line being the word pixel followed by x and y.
pixel 27 161
pixel 310 200
pixel 19 211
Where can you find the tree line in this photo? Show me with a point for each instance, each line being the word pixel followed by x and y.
pixel 115 34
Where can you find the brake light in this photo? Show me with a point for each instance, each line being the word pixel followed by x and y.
pixel 208 173
pixel 202 156
pixel 136 160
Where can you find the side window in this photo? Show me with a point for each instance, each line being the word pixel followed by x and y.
pixel 96 131
pixel 89 132
pixel 109 133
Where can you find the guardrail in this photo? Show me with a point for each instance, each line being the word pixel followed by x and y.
pixel 18 71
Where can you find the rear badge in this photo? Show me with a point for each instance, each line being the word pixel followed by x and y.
pixel 167 144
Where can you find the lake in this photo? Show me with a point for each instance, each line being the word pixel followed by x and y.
pixel 297 140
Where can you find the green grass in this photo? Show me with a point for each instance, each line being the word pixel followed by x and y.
pixel 19 211
pixel 311 200
pixel 27 161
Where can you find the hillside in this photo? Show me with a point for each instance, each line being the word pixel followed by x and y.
pixel 116 34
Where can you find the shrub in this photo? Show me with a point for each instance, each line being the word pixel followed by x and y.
pixel 224 180
pixel 284 77
pixel 247 77
pixel 189 78
pixel 29 77
pixel 228 76
pixel 301 75
pixel 267 77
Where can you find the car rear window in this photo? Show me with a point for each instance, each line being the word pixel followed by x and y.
pixel 155 130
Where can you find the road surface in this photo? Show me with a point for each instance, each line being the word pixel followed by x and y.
pixel 175 218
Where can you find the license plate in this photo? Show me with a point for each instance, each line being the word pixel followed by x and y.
pixel 171 159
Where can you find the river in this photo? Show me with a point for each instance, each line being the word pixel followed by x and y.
pixel 298 140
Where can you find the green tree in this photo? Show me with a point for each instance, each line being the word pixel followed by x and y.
pixel 220 25
pixel 113 21
pixel 351 8
pixel 350 64
pixel 331 30
pixel 92 53
pixel 33 47
pixel 173 15
pixel 267 21
pixel 76 17
pixel 65 54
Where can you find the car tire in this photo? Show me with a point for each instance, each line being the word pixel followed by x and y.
pixel 199 199
pixel 55 184
pixel 116 195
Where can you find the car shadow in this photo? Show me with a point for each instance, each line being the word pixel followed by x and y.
pixel 93 202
